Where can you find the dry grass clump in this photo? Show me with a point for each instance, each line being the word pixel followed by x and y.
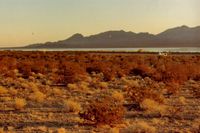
pixel 33 86
pixel 5 99
pixel 72 86
pixel 104 111
pixel 103 85
pixel 3 90
pixel 158 121
pixel 20 103
pixel 182 100
pixel 80 86
pixel 153 106
pixel 40 75
pixel 37 96
pixel 84 86
pixel 141 127
pixel 134 83
pixel 72 106
pixel 43 129
pixel 23 84
pixel 57 91
pixel 61 130
pixel 118 96
pixel 13 91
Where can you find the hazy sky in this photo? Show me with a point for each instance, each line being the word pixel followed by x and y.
pixel 31 21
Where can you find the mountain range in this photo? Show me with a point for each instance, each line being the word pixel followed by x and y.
pixel 182 36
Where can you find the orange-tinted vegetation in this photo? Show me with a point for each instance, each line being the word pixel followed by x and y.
pixel 79 91
pixel 69 67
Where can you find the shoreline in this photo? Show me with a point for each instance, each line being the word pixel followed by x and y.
pixel 108 52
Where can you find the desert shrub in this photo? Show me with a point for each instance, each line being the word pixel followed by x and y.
pixel 153 106
pixel 5 99
pixel 61 130
pixel 109 75
pixel 90 70
pixel 176 69
pixel 138 94
pixel 140 127
pixel 104 111
pixel 3 90
pixel 38 66
pixel 37 96
pixel 109 72
pixel 182 100
pixel 172 87
pixel 112 70
pixel 194 71
pixel 57 91
pixel 80 86
pixel 72 86
pixel 33 86
pixel 20 103
pixel 196 91
pixel 118 96
pixel 72 106
pixel 10 73
pixel 103 85
pixel 9 62
pixel 13 91
pixel 42 129
pixel 175 72
pixel 24 68
pixel 141 70
pixel 69 73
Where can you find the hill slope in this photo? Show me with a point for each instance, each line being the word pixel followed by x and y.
pixel 176 37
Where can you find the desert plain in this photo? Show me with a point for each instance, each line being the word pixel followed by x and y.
pixel 99 92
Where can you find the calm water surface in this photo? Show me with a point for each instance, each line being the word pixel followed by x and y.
pixel 183 49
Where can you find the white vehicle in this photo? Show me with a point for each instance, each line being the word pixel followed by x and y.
pixel 163 54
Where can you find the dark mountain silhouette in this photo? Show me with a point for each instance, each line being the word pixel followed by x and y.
pixel 180 36
pixel 176 37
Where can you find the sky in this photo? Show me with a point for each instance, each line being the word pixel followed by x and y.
pixel 25 22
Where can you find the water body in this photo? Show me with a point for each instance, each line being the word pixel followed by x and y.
pixel 174 49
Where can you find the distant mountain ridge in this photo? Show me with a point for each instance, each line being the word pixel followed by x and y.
pixel 182 36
